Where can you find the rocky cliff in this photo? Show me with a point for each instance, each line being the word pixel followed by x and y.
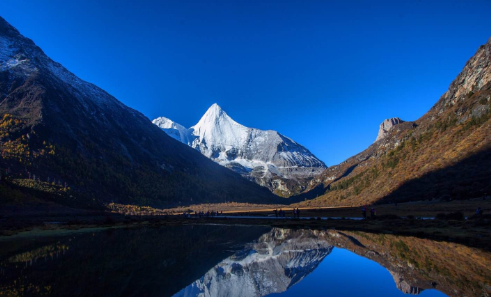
pixel 386 126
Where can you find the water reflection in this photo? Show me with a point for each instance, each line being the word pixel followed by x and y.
pixel 239 261
pixel 277 261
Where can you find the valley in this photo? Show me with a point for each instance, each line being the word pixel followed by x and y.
pixel 98 199
pixel 94 158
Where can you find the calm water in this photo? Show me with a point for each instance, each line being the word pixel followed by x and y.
pixel 238 261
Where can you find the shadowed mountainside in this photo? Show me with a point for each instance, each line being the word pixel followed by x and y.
pixel 467 178
pixel 82 147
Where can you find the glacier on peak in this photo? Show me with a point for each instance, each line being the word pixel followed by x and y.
pixel 264 156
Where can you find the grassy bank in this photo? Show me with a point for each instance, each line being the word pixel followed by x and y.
pixel 417 209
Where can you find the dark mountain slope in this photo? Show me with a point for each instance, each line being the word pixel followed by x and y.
pixel 443 155
pixel 62 135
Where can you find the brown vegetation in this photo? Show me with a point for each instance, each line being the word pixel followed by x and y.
pixel 443 158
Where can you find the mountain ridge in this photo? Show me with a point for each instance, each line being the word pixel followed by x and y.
pixel 436 157
pixel 62 135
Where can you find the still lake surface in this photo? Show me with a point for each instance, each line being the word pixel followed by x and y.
pixel 237 261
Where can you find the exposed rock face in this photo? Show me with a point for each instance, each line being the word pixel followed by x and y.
pixel 403 285
pixel 280 259
pixel 386 126
pixel 266 157
pixel 475 75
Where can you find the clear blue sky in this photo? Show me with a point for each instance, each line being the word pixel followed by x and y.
pixel 324 73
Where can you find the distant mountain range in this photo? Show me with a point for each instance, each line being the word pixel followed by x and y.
pixel 266 157
pixel 71 143
pixel 443 155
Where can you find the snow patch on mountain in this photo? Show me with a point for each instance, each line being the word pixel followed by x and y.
pixel 11 58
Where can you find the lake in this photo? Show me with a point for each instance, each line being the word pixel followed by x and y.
pixel 237 261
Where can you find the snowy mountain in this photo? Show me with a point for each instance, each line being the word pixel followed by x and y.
pixel 58 127
pixel 279 260
pixel 266 157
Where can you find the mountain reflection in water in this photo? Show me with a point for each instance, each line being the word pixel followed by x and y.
pixel 239 261
pixel 278 260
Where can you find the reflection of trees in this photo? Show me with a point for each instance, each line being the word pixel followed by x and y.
pixel 415 264
pixel 129 262
pixel 49 251
pixel 20 285
pixel 418 264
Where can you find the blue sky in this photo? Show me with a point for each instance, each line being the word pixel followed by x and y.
pixel 324 73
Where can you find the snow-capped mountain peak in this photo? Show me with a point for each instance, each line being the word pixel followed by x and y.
pixel 50 106
pixel 173 129
pixel 214 112
pixel 264 156
pixel 217 128
pixel 166 123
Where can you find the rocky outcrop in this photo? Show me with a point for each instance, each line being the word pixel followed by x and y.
pixel 475 75
pixel 386 126
pixel 403 285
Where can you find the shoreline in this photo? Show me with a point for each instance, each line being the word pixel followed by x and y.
pixel 472 232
